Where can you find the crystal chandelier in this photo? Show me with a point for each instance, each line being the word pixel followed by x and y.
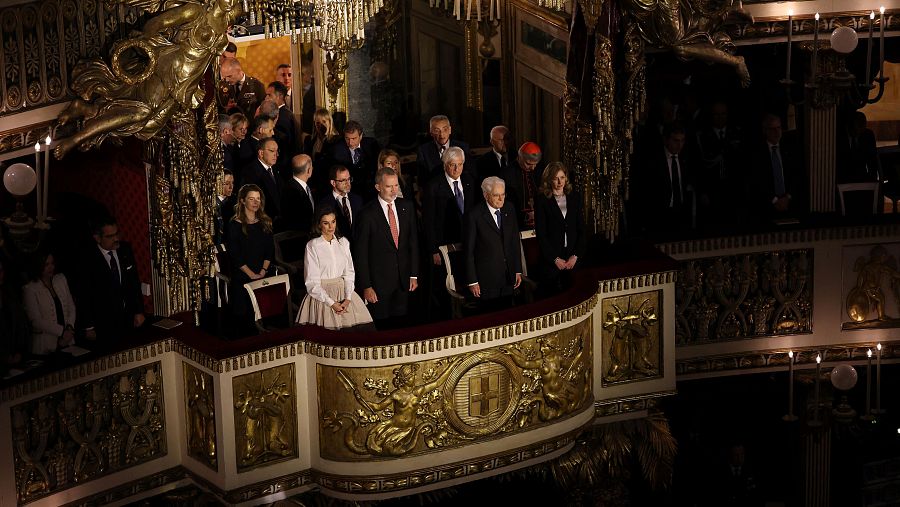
pixel 328 21
pixel 490 8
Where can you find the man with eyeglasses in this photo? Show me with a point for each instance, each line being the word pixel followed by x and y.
pixel 344 202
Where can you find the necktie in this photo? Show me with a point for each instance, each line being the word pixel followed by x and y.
pixel 499 220
pixel 460 203
pixel 346 211
pixel 355 156
pixel 309 194
pixel 441 151
pixel 392 222
pixel 271 174
pixel 502 162
pixel 676 182
pixel 777 172
pixel 114 269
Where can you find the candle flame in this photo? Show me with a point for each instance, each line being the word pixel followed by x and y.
pixel 790 13
pixel 872 15
pixel 881 9
pixel 878 346
pixel 869 353
pixel 791 354
pixel 37 146
pixel 48 140
pixel 817 16
pixel 818 358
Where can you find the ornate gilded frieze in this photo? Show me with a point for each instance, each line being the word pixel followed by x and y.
pixel 417 407
pixel 744 296
pixel 200 407
pixel 265 417
pixel 779 358
pixel 777 27
pixel 87 431
pixel 871 286
pixel 632 338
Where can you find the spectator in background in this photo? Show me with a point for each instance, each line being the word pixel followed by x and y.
pixel 857 151
pixel 559 227
pixel 498 160
pixel 229 52
pixel 251 247
pixel 776 181
pixel 328 269
pixel 298 200
pixel 319 145
pixel 721 152
pixel 263 128
pixel 49 306
pixel 522 181
pixel 239 126
pixel 359 154
pixel 224 206
pixel 346 204
pixel 284 74
pixel 226 134
pixel 240 93
pixel 15 334
pixel 261 173
pixel 390 158
pixel 662 183
pixel 310 108
pixel 108 292
pixel 429 154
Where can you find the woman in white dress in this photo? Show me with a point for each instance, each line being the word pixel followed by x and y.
pixel 49 306
pixel 328 270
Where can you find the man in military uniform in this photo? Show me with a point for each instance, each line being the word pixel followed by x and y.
pixel 238 92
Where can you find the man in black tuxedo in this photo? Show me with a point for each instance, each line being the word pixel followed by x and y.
pixel 386 251
pixel 662 185
pixel 345 203
pixel 493 255
pixel 262 174
pixel 499 159
pixel 239 92
pixel 360 155
pixel 777 186
pixel 109 300
pixel 444 203
pixel 297 199
pixel 429 154
pixel 261 128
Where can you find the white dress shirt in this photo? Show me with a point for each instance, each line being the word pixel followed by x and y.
pixel 384 205
pixel 326 260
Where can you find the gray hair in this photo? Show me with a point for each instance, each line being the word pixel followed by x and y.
pixel 436 118
pixel 504 128
pixel 268 109
pixel 451 153
pixel 224 124
pixel 487 186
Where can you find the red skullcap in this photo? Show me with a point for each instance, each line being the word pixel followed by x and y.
pixel 531 151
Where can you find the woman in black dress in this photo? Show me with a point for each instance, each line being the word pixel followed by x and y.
pixel 251 247
pixel 559 228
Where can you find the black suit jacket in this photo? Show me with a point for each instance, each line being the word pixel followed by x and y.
pixel 517 191
pixel 761 184
pixel 558 236
pixel 653 190
pixel 102 304
pixel 429 163
pixel 487 165
pixel 493 256
pixel 296 209
pixel 442 220
pixel 256 174
pixel 287 134
pixel 251 96
pixel 345 226
pixel 379 264
pixel 247 152
pixel 363 172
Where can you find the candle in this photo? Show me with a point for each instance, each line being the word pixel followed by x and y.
pixel 868 415
pixel 37 169
pixel 818 376
pixel 790 415
pixel 878 380
pixel 787 72
pixel 881 29
pixel 815 58
pixel 869 50
pixel 47 141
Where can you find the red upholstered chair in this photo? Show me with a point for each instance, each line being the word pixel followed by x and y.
pixel 531 255
pixel 270 297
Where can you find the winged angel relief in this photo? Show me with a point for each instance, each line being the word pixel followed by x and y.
pixel 151 75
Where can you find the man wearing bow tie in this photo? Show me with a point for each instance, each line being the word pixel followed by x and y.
pixel 491 243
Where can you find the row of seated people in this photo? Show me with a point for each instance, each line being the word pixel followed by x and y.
pixel 44 311
pixel 375 248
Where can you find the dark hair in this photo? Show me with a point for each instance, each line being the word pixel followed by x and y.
pixel 332 173
pixel 231 47
pixel 382 172
pixel 98 223
pixel 227 172
pixel 673 128
pixel 261 215
pixel 258 121
pixel 353 126
pixel 279 88
pixel 549 174
pixel 282 66
pixel 36 264
pixel 321 212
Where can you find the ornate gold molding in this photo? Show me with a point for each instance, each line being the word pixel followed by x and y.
pixel 265 417
pixel 632 338
pixel 200 407
pixel 88 431
pixel 456 400
pixel 629 404
pixel 776 26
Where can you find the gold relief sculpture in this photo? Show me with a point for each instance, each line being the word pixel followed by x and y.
pixel 742 296
pixel 265 417
pixel 200 407
pixel 691 29
pixel 877 283
pixel 438 404
pixel 87 431
pixel 151 76
pixel 632 337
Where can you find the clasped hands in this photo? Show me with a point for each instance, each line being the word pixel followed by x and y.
pixel 567 264
pixel 340 307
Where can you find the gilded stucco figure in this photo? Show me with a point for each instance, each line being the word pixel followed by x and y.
pixel 873 275
pixel 150 76
pixel 265 417
pixel 201 410
pixel 690 28
pixel 632 337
